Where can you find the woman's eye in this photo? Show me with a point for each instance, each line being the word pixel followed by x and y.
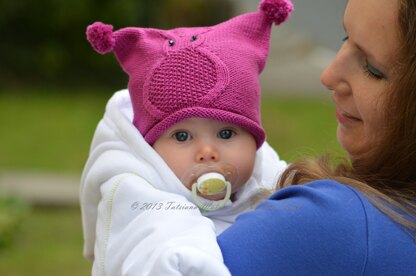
pixel 345 38
pixel 225 134
pixel 373 72
pixel 182 136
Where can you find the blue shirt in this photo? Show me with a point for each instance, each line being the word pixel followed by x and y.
pixel 321 228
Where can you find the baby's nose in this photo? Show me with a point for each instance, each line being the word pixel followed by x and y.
pixel 207 153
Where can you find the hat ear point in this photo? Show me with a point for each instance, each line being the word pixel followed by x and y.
pixel 100 36
pixel 277 11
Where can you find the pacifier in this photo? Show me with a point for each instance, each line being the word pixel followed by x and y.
pixel 211 181
pixel 211 184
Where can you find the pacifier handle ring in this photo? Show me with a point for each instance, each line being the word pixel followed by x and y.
pixel 214 206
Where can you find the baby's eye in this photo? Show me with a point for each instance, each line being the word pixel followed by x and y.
pixel 226 134
pixel 182 136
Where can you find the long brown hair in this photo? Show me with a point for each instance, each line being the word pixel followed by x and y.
pixel 387 176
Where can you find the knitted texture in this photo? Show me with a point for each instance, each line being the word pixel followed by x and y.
pixel 181 80
pixel 206 72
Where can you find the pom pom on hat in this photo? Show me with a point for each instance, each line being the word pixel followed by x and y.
pixel 101 38
pixel 277 10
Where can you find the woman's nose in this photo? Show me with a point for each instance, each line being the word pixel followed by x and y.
pixel 335 76
pixel 326 77
pixel 207 153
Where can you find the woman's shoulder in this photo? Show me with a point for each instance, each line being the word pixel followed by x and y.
pixel 328 202
pixel 302 226
pixel 317 199
pixel 318 227
pixel 329 194
pixel 322 209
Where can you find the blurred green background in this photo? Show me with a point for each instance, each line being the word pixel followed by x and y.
pixel 53 90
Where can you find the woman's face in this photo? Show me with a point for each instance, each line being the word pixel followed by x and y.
pixel 362 72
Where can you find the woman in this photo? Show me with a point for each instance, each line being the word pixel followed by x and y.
pixel 362 220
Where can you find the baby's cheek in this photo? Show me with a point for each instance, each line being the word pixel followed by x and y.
pixel 244 176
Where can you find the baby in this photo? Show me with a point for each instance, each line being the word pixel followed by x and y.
pixel 182 152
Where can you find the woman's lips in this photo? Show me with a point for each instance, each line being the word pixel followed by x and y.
pixel 344 117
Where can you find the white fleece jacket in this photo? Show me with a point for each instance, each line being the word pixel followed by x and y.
pixel 138 218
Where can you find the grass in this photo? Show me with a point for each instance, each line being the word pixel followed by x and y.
pixel 46 130
pixel 299 127
pixel 52 131
pixel 49 242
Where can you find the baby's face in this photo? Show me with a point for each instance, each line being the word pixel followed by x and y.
pixel 197 141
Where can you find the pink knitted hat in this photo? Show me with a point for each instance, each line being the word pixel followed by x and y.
pixel 207 72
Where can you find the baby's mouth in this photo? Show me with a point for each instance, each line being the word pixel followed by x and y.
pixel 215 188
pixel 228 171
pixel 212 183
